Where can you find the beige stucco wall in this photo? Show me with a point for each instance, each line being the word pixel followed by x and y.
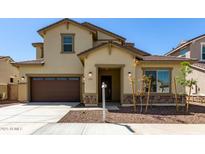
pixel 4 90
pixel 23 92
pixel 199 76
pixel 39 52
pixel 7 70
pixel 56 62
pixel 66 63
pixel 102 36
pixel 102 56
pixel 118 56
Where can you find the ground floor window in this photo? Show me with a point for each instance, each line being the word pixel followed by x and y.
pixel 160 80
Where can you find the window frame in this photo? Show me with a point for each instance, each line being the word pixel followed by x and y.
pixel 11 80
pixel 62 42
pixel 185 52
pixel 201 53
pixel 160 69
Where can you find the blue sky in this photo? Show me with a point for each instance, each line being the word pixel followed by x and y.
pixel 156 36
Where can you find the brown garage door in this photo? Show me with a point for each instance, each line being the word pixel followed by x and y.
pixel 54 89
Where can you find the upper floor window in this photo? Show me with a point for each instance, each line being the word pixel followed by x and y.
pixel 11 80
pixel 203 52
pixel 160 80
pixel 67 43
pixel 183 52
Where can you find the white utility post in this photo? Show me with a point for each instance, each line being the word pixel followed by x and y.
pixel 103 100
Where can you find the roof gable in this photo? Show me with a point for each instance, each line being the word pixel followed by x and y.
pixel 94 27
pixel 135 53
pixel 185 44
pixel 7 58
pixel 42 31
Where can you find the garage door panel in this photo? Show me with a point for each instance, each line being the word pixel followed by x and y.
pixel 55 89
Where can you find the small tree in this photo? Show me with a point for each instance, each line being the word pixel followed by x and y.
pixel 147 82
pixel 133 82
pixel 182 80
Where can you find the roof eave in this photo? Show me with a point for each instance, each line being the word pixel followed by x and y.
pixel 86 53
pixel 42 31
pixel 87 24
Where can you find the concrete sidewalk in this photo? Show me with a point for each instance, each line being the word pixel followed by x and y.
pixel 84 129
pixel 100 129
pixel 121 129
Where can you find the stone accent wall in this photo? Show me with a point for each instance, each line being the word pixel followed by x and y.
pixel 154 99
pixel 90 99
pixel 198 99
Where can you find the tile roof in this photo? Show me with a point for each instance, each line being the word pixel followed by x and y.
pixel 131 49
pixel 199 65
pixel 166 58
pixel 30 62
pixel 8 57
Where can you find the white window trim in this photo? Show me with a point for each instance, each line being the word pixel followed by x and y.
pixel 202 44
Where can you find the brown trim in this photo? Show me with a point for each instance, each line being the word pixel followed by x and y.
pixel 154 58
pixel 43 31
pixel 42 52
pixel 160 68
pixel 29 62
pixel 94 27
pixel 131 51
pixel 62 43
pixel 110 65
pixel 154 68
pixel 109 40
pixel 7 57
pixel 38 44
pixel 53 75
pixel 24 64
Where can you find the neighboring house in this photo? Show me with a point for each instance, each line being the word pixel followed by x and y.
pixel 194 48
pixel 75 58
pixel 9 74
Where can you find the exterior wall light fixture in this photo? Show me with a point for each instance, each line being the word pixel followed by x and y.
pixel 22 78
pixel 129 74
pixel 90 74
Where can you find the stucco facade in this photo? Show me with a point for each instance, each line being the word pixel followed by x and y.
pixel 91 59
pixel 7 71
pixel 9 74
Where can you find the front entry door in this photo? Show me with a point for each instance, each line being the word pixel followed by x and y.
pixel 108 91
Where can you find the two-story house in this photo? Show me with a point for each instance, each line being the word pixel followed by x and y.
pixel 75 58
pixel 194 48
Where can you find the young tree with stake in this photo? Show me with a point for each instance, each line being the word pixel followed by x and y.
pixel 182 80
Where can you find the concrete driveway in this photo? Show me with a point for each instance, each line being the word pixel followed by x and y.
pixel 27 118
